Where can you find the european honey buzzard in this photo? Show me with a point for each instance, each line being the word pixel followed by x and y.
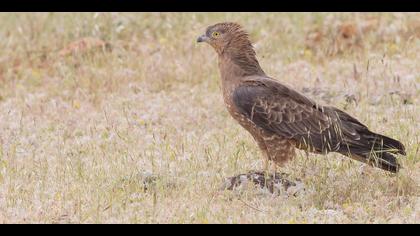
pixel 281 119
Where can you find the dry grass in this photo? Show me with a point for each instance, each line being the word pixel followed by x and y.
pixel 79 129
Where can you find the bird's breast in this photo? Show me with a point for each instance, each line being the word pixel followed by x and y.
pixel 234 111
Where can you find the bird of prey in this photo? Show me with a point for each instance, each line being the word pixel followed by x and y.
pixel 281 119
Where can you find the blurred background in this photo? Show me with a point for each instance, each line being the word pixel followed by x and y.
pixel 91 103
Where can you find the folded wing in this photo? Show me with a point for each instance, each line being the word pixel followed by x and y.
pixel 285 112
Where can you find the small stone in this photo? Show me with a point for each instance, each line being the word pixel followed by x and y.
pixel 275 183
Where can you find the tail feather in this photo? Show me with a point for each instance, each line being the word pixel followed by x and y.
pixel 377 150
pixel 391 145
pixel 385 161
pixel 364 145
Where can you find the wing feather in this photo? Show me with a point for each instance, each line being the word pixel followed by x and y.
pixel 282 111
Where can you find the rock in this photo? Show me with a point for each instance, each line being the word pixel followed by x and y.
pixel 274 183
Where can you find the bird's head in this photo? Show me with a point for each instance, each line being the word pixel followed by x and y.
pixel 231 41
pixel 221 35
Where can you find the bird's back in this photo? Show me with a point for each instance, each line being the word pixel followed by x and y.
pixel 278 109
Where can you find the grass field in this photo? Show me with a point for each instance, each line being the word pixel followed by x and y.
pixel 92 105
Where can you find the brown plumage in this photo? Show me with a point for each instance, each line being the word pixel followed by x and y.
pixel 281 119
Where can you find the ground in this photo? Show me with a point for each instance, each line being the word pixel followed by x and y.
pixel 119 118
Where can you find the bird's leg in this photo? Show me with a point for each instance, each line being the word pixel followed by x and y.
pixel 275 167
pixel 270 168
pixel 266 165
pixel 265 152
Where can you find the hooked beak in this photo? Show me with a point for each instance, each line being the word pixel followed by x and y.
pixel 202 38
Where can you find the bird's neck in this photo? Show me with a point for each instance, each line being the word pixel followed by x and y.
pixel 240 62
pixel 233 73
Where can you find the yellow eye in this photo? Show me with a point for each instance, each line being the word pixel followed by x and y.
pixel 215 34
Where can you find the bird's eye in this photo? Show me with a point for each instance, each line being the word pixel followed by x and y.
pixel 215 34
